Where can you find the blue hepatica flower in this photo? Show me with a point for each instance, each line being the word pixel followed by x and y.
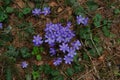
pixel 49 40
pixel 52 45
pixel 76 45
pixel 52 51
pixel 36 12
pixel 82 20
pixel 46 10
pixel 37 40
pixel 79 19
pixel 57 61
pixel 71 52
pixel 24 64
pixel 1 25
pixel 85 21
pixel 64 47
pixel 68 24
pixel 68 59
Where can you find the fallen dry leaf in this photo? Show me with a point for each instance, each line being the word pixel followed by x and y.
pixel 102 58
pixel 38 63
pixel 52 4
pixel 20 3
pixel 31 4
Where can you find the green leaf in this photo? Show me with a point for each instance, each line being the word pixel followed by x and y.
pixel 6 37
pixel 35 50
pixel 70 71
pixel 47 69
pixel 38 57
pixel 55 73
pixel 107 23
pixel 28 77
pixel 79 11
pixel 75 59
pixel 8 73
pixel 7 2
pixel 96 39
pixel 9 9
pixel 106 28
pixel 29 29
pixel 3 16
pixel 35 75
pixel 41 49
pixel 2 43
pixel 106 31
pixel 12 52
pixel 25 52
pixel 118 41
pixel 26 10
pixel 97 20
pixel 86 57
pixel 59 77
pixel 94 53
pixel 78 68
pixel 38 1
pixel 20 15
pixel 70 2
pixel 85 33
pixel 92 5
pixel 117 11
pixel 88 43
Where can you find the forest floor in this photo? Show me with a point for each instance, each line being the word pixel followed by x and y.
pixel 97 59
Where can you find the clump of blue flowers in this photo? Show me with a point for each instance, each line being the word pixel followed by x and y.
pixel 37 11
pixel 58 33
pixel 60 41
pixel 62 36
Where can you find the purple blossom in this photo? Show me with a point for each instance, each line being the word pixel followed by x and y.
pixel 69 35
pixel 24 64
pixel 52 45
pixel 64 47
pixel 59 39
pixel 57 61
pixel 50 27
pixel 37 40
pixel 79 19
pixel 68 59
pixel 82 20
pixel 68 24
pixel 52 51
pixel 49 40
pixel 46 10
pixel 1 25
pixel 36 12
pixel 85 21
pixel 76 45
pixel 71 52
